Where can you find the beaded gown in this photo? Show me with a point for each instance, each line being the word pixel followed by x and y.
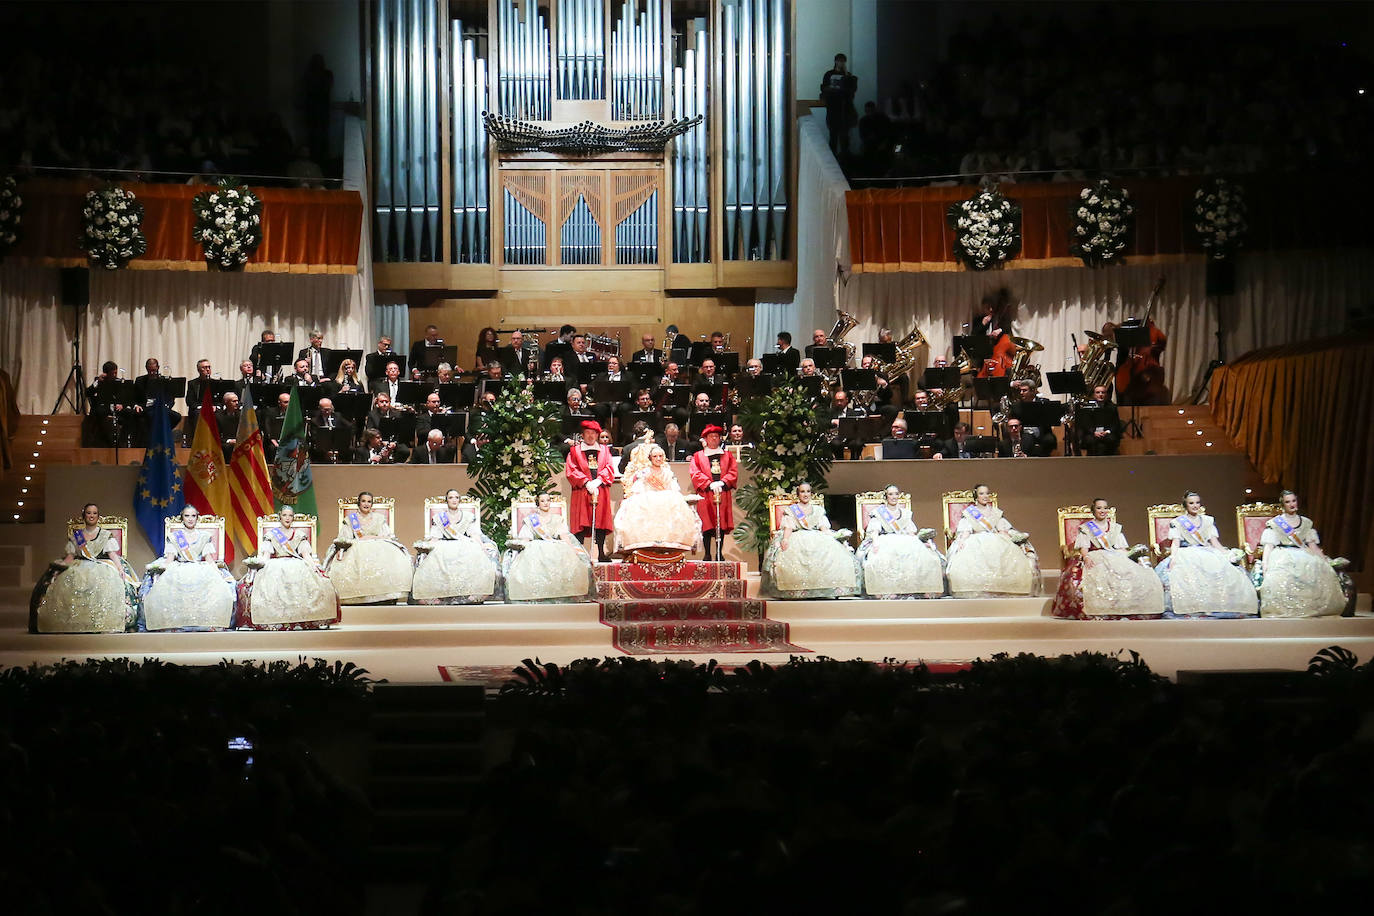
pixel 1200 580
pixel 1295 581
pixel 187 589
pixel 456 563
pixel 1106 583
pixel 368 565
pixel 286 589
pixel 895 562
pixel 543 564
pixel 96 593
pixel 814 564
pixel 983 561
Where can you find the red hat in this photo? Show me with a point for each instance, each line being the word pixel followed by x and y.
pixel 712 429
pixel 592 425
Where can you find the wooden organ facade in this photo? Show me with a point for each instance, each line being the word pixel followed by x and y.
pixel 453 210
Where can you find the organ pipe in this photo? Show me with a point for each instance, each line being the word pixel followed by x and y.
pixel 691 210
pixel 468 95
pixel 523 58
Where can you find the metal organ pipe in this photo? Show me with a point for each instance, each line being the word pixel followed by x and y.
pixel 469 149
pixel 691 209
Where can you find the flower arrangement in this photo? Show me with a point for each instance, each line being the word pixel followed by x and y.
pixel 228 225
pixel 790 450
pixel 987 229
pixel 11 213
pixel 520 460
pixel 113 233
pixel 1219 216
pixel 1102 224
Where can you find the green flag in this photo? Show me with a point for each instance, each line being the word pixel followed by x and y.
pixel 292 483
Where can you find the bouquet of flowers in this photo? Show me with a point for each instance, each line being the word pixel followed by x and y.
pixel 987 229
pixel 113 232
pixel 790 450
pixel 1219 216
pixel 228 225
pixel 11 213
pixel 1102 224
pixel 520 460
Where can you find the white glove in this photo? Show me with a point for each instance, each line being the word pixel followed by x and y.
pixel 593 484
pixel 717 486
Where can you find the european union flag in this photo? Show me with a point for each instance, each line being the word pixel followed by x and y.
pixel 158 492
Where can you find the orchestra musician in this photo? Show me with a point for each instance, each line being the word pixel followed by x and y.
pixel 346 381
pixel 791 358
pixel 647 353
pixel 383 410
pixel 753 368
pixel 818 342
pixel 375 451
pixel 707 380
pixel 262 370
pixel 1026 398
pixel 273 427
pixel 675 448
pixel 313 354
pixel 333 434
pixel 679 340
pixel 430 341
pixel 1019 443
pixel 580 351
pixel 444 375
pixel 433 451
pixel 148 386
pixel 487 349
pixel 520 355
pixel 717 342
pixel 808 368
pixel 474 444
pixel 1104 436
pixel 227 419
pixel 246 377
pixel 897 445
pixel 195 393
pixel 424 420
pixel 389 384
pixel 300 375
pixel 841 408
pixel 957 446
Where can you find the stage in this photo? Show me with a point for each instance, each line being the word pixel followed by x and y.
pixel 412 643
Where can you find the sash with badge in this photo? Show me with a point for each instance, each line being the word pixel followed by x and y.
pixel 537 531
pixel 1097 533
pixel 183 545
pixel 356 524
pixel 1192 528
pixel 446 522
pixel 279 534
pixel 976 514
pixel 799 513
pixel 1281 523
pixel 79 539
pixel 889 519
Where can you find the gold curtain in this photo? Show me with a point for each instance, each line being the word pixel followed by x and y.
pixel 1302 413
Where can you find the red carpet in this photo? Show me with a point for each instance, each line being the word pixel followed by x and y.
pixel 691 607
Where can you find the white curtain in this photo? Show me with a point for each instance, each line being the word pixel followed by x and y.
pixel 822 244
pixel 1279 299
pixel 178 317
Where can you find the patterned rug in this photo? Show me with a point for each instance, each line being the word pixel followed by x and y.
pixel 688 607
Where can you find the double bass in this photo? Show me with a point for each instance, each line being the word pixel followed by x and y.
pixel 1139 373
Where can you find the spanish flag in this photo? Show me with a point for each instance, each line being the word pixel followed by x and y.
pixel 207 478
pixel 250 488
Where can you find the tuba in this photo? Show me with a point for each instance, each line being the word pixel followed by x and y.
pixel 843 325
pixel 906 356
pixel 1097 366
pixel 1022 370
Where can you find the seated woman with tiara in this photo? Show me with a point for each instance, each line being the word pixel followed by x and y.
pixel 366 562
pixel 654 512
pixel 544 562
pixel 92 589
pixel 456 563
pixel 1202 578
pixel 285 588
pixel 989 557
pixel 898 559
pixel 1105 579
pixel 188 587
pixel 1296 578
pixel 805 559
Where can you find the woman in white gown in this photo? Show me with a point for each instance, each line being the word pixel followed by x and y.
pixel 188 588
pixel 544 562
pixel 1297 578
pixel 1104 579
pixel 898 560
pixel 366 562
pixel 804 559
pixel 456 563
pixel 1202 578
pixel 988 556
pixel 654 513
pixel 285 588
pixel 92 589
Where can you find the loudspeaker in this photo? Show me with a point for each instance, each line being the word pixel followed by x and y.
pixel 76 286
pixel 1221 277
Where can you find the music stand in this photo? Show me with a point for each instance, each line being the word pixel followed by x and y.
pixel 331 360
pixel 608 392
pixel 699 351
pixel 1127 339
pixel 397 429
pixel 882 352
pixel 945 378
pixel 678 356
pixel 981 446
pixel 727 362
pixel 279 353
pixel 572 425
pixel 458 395
pixel 977 346
pixel 812 386
pixel 375 364
pixel 413 394
pixel 699 421
pixel 859 379
pixel 646 374
pixel 429 358
pixel 753 386
pixel 830 357
pixel 310 398
pixel 551 392
pixel 650 418
pixel 928 423
pixel 773 364
pixel 991 389
pixel 353 405
pixel 495 386
pixel 864 429
pixel 895 449
pixel 452 425
pixel 329 442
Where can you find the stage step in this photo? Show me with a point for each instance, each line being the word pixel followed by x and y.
pixel 685 571
pixel 702 589
pixel 682 610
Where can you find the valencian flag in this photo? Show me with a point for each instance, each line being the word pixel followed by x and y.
pixel 292 483
pixel 207 478
pixel 250 489
pixel 158 492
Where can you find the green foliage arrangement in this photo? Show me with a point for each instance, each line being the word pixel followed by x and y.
pixel 112 235
pixel 790 451
pixel 520 460
pixel 228 225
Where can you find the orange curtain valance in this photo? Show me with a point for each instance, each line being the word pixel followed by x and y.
pixel 904 229
pixel 302 231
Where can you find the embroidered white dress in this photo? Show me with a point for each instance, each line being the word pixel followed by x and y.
pixel 1199 579
pixel 1111 583
pixel 543 564
pixel 654 514
pixel 96 593
pixel 983 560
pixel 369 566
pixel 814 564
pixel 457 564
pixel 289 590
pixel 1297 582
pixel 895 562
pixel 187 588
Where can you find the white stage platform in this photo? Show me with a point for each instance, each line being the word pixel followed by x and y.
pixel 410 643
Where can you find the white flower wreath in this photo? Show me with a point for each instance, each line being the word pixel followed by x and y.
pixel 228 225
pixel 1102 223
pixel 11 213
pixel 1219 216
pixel 987 229
pixel 112 235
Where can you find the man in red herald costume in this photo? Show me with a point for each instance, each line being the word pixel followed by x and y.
pixel 714 473
pixel 585 482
